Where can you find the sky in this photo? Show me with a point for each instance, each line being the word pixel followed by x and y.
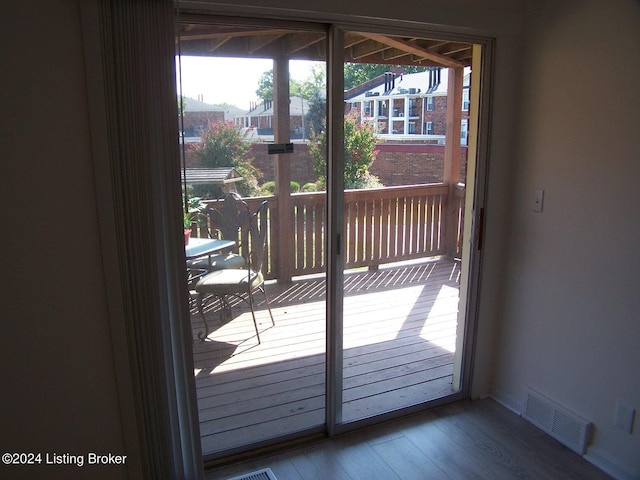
pixel 229 80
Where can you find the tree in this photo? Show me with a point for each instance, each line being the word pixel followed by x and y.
pixel 316 117
pixel 303 89
pixel 265 86
pixel 359 153
pixel 223 145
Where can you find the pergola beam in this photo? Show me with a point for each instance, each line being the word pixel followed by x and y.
pixel 415 49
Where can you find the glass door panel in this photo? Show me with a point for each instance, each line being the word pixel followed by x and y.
pixel 405 181
pixel 252 98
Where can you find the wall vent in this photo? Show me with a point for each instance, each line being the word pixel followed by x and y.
pixel 264 474
pixel 566 427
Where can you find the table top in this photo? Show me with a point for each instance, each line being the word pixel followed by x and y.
pixel 199 247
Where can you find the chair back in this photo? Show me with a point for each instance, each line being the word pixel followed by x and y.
pixel 258 230
pixel 231 220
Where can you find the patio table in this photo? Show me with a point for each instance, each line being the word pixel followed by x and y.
pixel 202 247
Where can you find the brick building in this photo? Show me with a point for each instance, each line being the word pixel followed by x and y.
pixel 408 107
pixel 261 118
pixel 197 115
pixel 408 110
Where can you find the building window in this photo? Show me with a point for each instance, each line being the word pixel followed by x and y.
pixel 382 109
pixel 367 108
pixel 431 104
pixel 465 100
pixel 429 128
pixel 464 131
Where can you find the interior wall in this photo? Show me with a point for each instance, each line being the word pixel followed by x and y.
pixel 570 325
pixel 58 382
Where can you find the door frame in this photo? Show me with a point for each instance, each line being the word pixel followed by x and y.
pixel 474 218
pixel 154 440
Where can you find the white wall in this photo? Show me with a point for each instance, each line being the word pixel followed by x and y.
pixel 56 369
pixel 571 318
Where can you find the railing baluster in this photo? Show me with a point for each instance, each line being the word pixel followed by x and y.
pixel 382 225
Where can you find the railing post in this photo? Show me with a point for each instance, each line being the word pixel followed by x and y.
pixel 285 253
pixel 452 153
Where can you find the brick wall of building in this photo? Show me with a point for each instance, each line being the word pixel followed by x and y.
pixel 399 164
pixel 195 122
pixel 406 164
pixel 300 161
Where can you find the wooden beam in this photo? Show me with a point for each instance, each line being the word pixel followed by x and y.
pixel 283 169
pixel 365 49
pixel 452 152
pixel 216 43
pixel 302 40
pixel 416 50
pixel 259 43
pixel 452 148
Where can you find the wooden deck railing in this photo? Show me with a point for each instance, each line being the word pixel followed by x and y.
pixel 382 225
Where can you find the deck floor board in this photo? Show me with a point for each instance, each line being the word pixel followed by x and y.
pixel 399 341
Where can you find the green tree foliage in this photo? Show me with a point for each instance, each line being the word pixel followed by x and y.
pixel 316 117
pixel 304 89
pixel 223 145
pixel 357 73
pixel 265 86
pixel 359 153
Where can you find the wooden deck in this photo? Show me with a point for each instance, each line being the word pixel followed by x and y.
pixel 399 342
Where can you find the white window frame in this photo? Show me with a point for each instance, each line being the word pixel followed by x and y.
pixel 465 100
pixel 431 103
pixel 464 131
pixel 429 128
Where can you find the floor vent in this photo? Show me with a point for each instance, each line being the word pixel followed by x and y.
pixel 264 474
pixel 564 426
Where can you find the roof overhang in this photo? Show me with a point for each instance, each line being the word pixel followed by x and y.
pixel 199 39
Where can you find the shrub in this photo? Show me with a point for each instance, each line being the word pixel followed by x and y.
pixel 269 188
pixel 223 145
pixel 359 153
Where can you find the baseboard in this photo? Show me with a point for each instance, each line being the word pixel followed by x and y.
pixel 507 401
pixel 605 463
pixel 593 455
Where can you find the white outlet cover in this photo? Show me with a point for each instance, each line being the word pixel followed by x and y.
pixel 624 417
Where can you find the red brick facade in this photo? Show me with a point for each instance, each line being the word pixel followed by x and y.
pixel 395 164
pixel 395 123
pixel 195 122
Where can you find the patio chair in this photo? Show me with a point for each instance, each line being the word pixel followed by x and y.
pixel 229 222
pixel 240 283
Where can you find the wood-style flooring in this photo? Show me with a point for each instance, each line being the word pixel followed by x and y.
pixel 463 440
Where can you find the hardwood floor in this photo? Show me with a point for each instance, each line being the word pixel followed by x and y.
pixel 399 344
pixel 464 440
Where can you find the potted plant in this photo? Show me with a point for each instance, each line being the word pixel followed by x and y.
pixel 194 213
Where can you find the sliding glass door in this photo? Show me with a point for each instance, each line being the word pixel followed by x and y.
pixel 405 166
pixel 252 100
pixel 365 154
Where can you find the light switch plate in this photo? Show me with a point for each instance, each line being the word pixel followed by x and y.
pixel 537 199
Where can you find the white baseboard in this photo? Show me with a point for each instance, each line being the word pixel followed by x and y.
pixel 593 455
pixel 507 401
pixel 605 463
